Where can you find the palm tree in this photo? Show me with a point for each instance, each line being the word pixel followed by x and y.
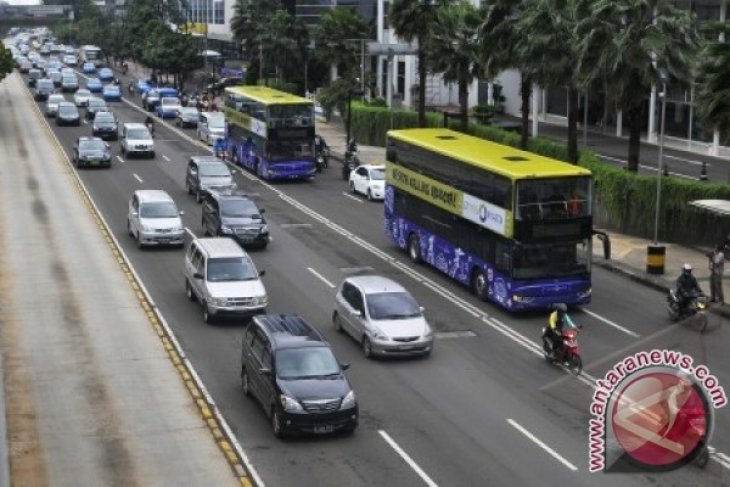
pixel 713 85
pixel 334 37
pixel 499 37
pixel 454 50
pixel 412 20
pixel 549 42
pixel 251 24
pixel 627 42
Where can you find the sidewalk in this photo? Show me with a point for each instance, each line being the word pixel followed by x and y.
pixel 628 254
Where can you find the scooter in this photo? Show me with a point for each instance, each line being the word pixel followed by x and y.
pixel 351 161
pixel 569 353
pixel 696 304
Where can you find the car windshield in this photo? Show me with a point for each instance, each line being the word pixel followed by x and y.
pixel 392 306
pixel 377 174
pixel 170 101
pixel 231 269
pixel 239 209
pixel 69 79
pixel 45 84
pixel 213 170
pixel 67 109
pixel 162 209
pixel 306 363
pixel 92 145
pixel 97 104
pixel 138 134
pixel 111 88
pixel 189 111
pixel 55 99
pixel 216 122
pixel 83 93
pixel 104 117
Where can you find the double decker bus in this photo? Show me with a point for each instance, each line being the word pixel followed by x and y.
pixel 269 132
pixel 514 226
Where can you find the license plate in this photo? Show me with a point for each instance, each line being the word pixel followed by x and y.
pixel 407 347
pixel 95 161
pixel 163 240
pixel 325 428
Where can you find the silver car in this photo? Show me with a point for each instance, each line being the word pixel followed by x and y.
pixel 52 104
pixel 382 316
pixel 81 97
pixel 153 219
pixel 211 127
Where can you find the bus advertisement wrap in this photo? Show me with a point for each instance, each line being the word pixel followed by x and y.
pixel 447 198
pixel 256 126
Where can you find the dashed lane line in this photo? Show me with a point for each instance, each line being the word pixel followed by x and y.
pixel 542 445
pixel 321 277
pixel 407 458
pixel 137 177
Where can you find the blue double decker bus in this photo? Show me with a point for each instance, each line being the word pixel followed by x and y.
pixel 270 132
pixel 514 226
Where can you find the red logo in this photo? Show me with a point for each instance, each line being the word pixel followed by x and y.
pixel 660 419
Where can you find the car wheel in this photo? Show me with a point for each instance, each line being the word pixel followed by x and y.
pixel 367 348
pixel 140 245
pixel 414 248
pixel 207 317
pixel 189 290
pixel 370 195
pixel 337 322
pixel 479 285
pixel 244 382
pixel 187 187
pixel 276 425
pixel 129 229
pixel 198 196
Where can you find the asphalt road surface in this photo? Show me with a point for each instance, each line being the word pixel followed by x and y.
pixel 485 409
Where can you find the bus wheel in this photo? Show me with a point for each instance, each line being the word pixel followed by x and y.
pixel 479 284
pixel 414 248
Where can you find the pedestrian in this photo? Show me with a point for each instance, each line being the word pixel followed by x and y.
pixel 717 267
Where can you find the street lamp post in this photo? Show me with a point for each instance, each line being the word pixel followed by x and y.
pixel 656 254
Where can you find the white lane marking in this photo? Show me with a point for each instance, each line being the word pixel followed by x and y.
pixel 424 476
pixel 689 161
pixel 542 445
pixel 190 232
pixel 611 323
pixel 119 158
pixel 137 177
pixel 321 277
pixel 348 195
pixel 455 334
pixel 292 225
pixel 85 122
pixel 165 158
pixel 356 270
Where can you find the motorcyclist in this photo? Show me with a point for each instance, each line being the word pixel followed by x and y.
pixel 320 146
pixel 150 124
pixel 687 287
pixel 559 319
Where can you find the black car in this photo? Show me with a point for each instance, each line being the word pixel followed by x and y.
pixel 95 105
pixel 205 173
pixel 230 213
pixel 33 76
pixel 67 114
pixel 105 126
pixel 91 151
pixel 289 367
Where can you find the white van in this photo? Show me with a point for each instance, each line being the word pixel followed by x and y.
pixel 222 277
pixel 153 219
pixel 136 139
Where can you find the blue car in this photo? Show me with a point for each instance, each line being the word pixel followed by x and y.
pixel 88 68
pixel 143 86
pixel 94 85
pixel 106 74
pixel 168 107
pixel 112 93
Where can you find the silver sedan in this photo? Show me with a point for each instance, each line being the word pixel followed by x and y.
pixel 81 97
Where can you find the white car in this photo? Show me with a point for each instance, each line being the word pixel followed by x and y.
pixel 136 139
pixel 81 97
pixel 153 219
pixel 52 104
pixel 369 180
pixel 211 127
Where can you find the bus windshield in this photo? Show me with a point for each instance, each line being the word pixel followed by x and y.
pixel 286 150
pixel 560 259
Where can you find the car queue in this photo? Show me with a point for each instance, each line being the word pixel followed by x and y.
pixel 286 363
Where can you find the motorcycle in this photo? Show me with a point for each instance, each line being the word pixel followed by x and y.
pixel 351 160
pixel 321 159
pixel 130 87
pixel 696 303
pixel 569 354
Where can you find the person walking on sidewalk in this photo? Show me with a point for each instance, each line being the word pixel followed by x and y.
pixel 717 268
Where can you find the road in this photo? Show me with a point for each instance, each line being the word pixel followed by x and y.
pixel 469 415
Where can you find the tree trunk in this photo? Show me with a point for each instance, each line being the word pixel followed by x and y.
pixel 421 85
pixel 525 92
pixel 464 103
pixel 634 114
pixel 573 125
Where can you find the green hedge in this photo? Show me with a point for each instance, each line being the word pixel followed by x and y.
pixel 624 202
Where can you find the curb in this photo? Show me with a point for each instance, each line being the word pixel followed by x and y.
pixel 217 425
pixel 657 283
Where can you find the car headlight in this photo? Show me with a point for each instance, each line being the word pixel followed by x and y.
pixel 378 334
pixel 428 332
pixel 177 229
pixel 217 301
pixel 261 300
pixel 265 229
pixel 349 401
pixel 146 228
pixel 289 404
pixel 226 230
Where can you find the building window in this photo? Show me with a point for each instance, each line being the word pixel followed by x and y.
pixel 219 15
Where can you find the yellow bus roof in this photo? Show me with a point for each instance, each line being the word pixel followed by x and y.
pixel 268 96
pixel 501 159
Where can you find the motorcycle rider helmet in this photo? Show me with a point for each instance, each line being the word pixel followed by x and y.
pixel 687 269
pixel 561 308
